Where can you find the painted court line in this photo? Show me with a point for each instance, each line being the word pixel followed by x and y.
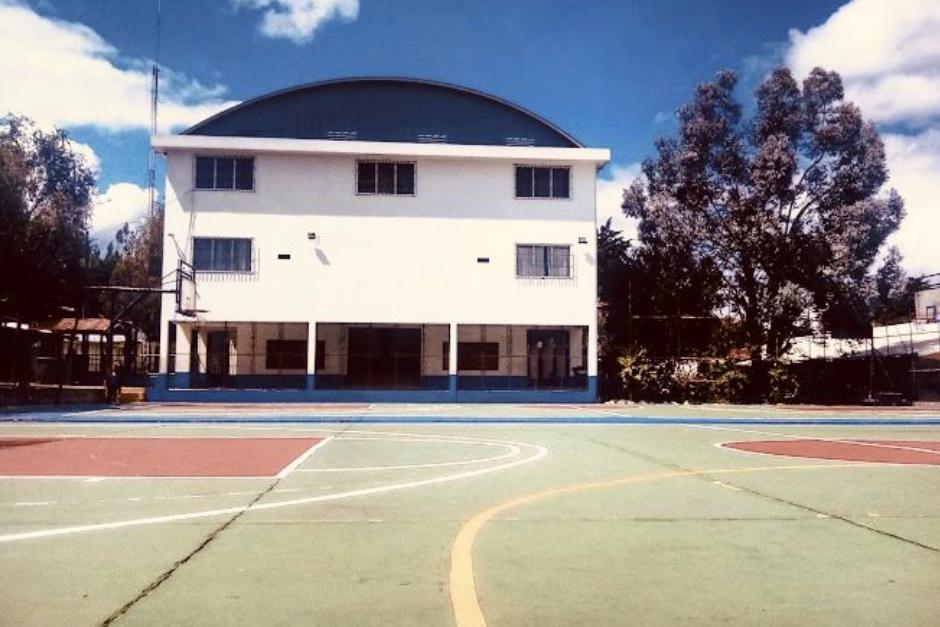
pixel 536 452
pixel 291 467
pixel 463 592
pixel 513 451
pixel 793 436
pixel 603 417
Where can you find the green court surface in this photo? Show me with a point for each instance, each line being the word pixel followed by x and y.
pixel 504 516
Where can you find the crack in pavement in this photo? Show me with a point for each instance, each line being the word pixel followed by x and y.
pixel 156 583
pixel 166 575
pixel 703 476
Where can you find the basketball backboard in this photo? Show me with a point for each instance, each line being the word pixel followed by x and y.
pixel 185 289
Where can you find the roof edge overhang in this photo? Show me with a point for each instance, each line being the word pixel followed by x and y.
pixel 165 144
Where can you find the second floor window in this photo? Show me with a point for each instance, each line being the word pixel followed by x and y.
pixel 543 182
pixel 236 173
pixel 540 261
pixel 385 177
pixel 222 254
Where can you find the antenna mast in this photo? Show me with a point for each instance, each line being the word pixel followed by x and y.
pixel 154 98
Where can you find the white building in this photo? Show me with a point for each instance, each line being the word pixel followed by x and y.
pixel 437 243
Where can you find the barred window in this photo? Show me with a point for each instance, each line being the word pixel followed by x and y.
pixel 385 177
pixel 543 182
pixel 236 173
pixel 543 261
pixel 222 254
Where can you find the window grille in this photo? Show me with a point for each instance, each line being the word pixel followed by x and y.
pixel 222 254
pixel 541 261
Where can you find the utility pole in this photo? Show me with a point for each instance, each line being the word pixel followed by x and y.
pixel 154 98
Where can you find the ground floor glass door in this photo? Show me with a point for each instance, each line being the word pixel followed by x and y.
pixel 217 357
pixel 548 357
pixel 384 357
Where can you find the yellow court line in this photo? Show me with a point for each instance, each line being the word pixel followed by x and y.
pixel 463 593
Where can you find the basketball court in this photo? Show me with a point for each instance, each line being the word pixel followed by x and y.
pixel 470 515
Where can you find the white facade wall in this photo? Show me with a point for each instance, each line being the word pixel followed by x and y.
pixel 386 259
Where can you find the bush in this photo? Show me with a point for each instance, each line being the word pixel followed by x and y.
pixel 647 379
pixel 782 384
pixel 729 382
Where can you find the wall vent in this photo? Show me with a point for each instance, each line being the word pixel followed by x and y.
pixel 432 138
pixel 520 141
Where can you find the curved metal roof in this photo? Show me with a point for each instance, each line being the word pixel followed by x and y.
pixel 386 110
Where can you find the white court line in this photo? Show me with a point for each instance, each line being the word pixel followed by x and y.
pixel 411 437
pixel 513 452
pixel 131 477
pixel 857 463
pixel 791 436
pixel 289 468
pixel 722 446
pixel 538 453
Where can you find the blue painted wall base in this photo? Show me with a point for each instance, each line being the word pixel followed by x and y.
pixel 176 388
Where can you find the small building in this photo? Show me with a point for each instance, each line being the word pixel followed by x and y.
pixel 927 304
pixel 379 239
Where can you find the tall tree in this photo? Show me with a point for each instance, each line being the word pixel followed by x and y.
pixel 655 299
pixel 892 299
pixel 46 191
pixel 141 265
pixel 784 204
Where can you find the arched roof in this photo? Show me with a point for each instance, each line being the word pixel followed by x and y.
pixel 386 110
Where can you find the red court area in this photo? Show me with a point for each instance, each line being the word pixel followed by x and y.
pixel 150 457
pixel 877 451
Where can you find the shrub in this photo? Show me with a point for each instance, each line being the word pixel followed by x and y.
pixel 647 379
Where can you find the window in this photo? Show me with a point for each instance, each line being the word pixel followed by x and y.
pixel 543 261
pixel 286 355
pixel 932 312
pixel 217 254
pixel 541 182
pixel 225 173
pixel 473 356
pixel 385 177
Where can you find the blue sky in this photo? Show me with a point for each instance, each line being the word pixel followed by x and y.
pixel 611 73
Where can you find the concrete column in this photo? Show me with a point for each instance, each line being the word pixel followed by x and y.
pixel 165 348
pixel 452 357
pixel 182 348
pixel 311 354
pixel 592 360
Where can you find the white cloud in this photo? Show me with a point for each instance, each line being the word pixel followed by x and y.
pixel 88 154
pixel 65 74
pixel 610 197
pixel 122 202
pixel 298 20
pixel 914 161
pixel 888 54
pixel 662 117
